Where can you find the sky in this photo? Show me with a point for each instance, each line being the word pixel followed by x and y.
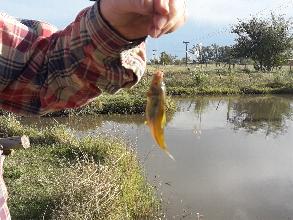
pixel 209 21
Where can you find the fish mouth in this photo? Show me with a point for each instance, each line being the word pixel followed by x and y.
pixel 158 76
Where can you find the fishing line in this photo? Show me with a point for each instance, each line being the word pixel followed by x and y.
pixel 148 154
pixel 186 209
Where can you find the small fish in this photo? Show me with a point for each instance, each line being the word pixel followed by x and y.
pixel 156 110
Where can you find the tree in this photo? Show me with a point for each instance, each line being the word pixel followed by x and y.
pixel 266 41
pixel 212 53
pixel 224 54
pixel 167 58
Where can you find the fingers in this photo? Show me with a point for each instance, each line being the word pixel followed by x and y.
pixel 167 23
pixel 160 16
pixel 159 22
pixel 178 18
pixel 137 18
pixel 180 23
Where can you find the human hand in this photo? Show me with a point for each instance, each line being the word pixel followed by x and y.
pixel 138 18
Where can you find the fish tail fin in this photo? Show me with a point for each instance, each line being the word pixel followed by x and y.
pixel 162 144
pixel 169 154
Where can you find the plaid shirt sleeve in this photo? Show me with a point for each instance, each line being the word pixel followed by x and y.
pixel 4 211
pixel 44 70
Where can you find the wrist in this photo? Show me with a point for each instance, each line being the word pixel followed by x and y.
pixel 119 22
pixel 108 14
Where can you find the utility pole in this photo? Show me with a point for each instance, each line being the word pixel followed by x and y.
pixel 186 51
pixel 154 55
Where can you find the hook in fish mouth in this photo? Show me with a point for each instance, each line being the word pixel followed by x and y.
pixel 158 76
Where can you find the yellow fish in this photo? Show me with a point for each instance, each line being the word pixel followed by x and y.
pixel 156 110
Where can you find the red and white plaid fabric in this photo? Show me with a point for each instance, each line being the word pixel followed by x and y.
pixel 4 211
pixel 44 70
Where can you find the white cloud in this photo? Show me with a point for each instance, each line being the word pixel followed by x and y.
pixel 227 11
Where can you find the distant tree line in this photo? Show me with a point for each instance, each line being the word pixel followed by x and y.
pixel 198 54
pixel 265 43
pixel 211 54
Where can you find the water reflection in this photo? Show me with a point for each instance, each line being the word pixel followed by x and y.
pixel 88 122
pixel 267 114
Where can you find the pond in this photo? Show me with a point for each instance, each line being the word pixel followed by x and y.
pixel 234 156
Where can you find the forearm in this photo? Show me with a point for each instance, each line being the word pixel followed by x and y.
pixel 66 69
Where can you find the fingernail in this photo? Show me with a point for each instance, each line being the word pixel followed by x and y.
pixel 161 22
pixel 165 6
pixel 154 32
pixel 161 33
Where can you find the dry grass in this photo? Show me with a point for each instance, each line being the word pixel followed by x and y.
pixel 62 177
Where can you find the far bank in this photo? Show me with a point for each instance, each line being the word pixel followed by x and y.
pixel 192 80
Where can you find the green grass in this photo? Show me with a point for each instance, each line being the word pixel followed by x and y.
pixel 62 177
pixel 220 80
pixel 126 102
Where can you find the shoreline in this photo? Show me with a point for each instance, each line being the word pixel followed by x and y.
pixel 190 81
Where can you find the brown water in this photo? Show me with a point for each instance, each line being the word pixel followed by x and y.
pixel 234 156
